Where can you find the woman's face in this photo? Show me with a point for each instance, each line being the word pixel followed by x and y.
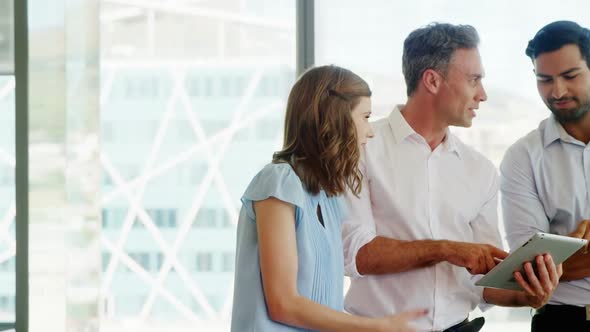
pixel 360 116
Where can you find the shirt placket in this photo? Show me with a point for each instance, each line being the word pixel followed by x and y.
pixel 586 158
pixel 433 192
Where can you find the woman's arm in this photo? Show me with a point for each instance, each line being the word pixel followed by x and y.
pixel 275 222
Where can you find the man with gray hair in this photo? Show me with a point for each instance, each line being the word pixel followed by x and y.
pixel 425 225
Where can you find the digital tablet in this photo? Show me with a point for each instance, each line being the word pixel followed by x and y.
pixel 560 247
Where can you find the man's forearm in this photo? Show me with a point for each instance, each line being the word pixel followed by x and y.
pixel 576 267
pixel 384 255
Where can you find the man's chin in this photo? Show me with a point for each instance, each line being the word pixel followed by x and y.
pixel 464 124
pixel 467 122
pixel 569 115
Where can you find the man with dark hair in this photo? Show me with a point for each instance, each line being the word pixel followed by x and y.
pixel 545 176
pixel 425 223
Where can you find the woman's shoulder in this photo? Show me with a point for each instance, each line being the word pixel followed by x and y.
pixel 277 173
pixel 277 180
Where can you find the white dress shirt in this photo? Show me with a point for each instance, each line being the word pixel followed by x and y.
pixel 545 184
pixel 413 193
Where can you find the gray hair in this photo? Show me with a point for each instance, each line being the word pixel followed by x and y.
pixel 431 47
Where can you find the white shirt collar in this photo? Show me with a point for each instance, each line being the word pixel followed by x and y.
pixel 401 130
pixel 554 131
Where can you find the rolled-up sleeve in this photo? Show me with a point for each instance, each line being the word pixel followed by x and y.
pixel 358 227
pixel 522 209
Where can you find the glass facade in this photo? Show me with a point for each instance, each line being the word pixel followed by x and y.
pixel 63 170
pixel 7 202
pixel 7 164
pixel 147 120
pixel 6 37
pixel 192 105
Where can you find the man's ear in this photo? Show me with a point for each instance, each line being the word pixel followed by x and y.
pixel 432 80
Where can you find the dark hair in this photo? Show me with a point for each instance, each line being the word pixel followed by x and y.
pixel 555 35
pixel 431 47
pixel 320 139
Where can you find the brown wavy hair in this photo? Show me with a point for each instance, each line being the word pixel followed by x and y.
pixel 320 139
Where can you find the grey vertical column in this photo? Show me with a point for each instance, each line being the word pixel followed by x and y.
pixel 64 166
pixel 21 57
pixel 305 35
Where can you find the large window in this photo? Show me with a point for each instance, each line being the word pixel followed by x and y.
pixel 368 36
pixel 6 37
pixel 7 203
pixel 192 104
pixel 192 98
pixel 7 163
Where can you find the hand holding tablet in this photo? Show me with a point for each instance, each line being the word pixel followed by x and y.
pixel 559 247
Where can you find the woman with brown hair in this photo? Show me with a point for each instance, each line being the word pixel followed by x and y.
pixel 289 259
